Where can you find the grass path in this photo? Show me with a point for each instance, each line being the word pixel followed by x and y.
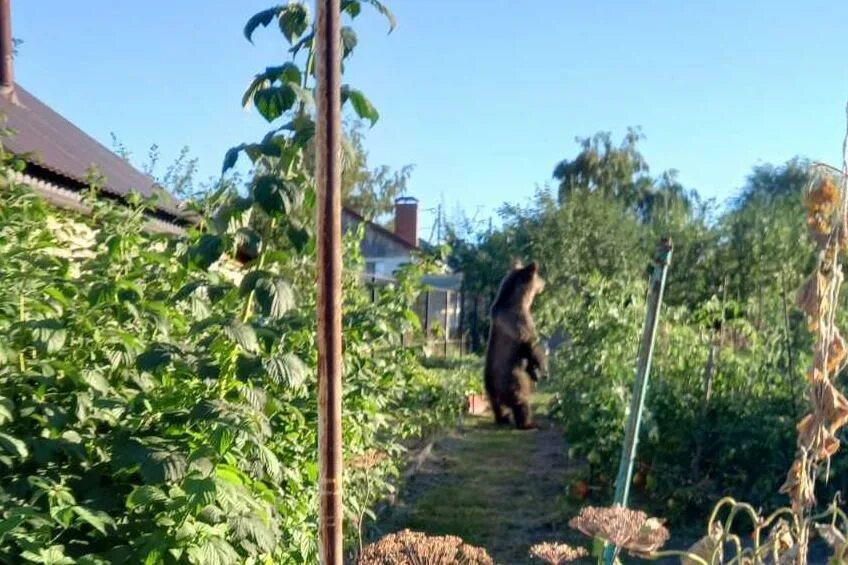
pixel 495 487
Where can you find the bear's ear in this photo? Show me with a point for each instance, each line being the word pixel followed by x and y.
pixel 517 263
pixel 533 267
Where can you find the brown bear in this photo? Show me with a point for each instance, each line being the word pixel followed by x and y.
pixel 513 356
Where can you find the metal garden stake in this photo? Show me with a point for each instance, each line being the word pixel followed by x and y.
pixel 659 268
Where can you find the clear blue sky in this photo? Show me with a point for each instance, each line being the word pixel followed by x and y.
pixel 483 96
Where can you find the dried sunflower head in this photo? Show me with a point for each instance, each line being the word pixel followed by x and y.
pixel 823 198
pixel 557 553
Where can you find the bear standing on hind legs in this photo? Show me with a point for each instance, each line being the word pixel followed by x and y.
pixel 512 354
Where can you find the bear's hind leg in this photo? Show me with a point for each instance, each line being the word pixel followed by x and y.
pixel 499 410
pixel 523 418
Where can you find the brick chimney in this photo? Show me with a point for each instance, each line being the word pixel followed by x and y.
pixel 406 219
pixel 7 49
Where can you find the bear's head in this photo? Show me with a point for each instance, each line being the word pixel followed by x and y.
pixel 520 286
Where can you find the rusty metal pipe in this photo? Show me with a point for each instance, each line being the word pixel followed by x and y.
pixel 328 185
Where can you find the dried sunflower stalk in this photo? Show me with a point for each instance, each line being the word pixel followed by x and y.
pixel 827 222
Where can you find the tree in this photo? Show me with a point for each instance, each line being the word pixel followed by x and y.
pixel 371 192
pixel 180 176
pixel 617 172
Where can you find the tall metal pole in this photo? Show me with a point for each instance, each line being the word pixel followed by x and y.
pixel 328 185
pixel 7 48
pixel 640 387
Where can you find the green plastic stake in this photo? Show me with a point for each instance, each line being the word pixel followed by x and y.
pixel 659 268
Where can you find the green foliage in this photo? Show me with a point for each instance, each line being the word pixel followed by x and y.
pixel 730 289
pixel 158 406
pixel 152 413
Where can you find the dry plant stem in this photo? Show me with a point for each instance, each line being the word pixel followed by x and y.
pixel 827 334
pixel 361 517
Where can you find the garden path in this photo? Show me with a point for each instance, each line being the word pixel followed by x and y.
pixel 495 487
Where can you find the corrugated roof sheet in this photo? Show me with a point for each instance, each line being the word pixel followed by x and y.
pixel 61 147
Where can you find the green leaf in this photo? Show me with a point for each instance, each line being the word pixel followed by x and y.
pixel 222 439
pixel 287 72
pixel 229 474
pixel 243 335
pixel 7 410
pixel 208 249
pixel 53 555
pixel 160 466
pixel 12 523
pixel 13 445
pixel 274 195
pixel 96 380
pixel 262 18
pixel 286 369
pixel 352 7
pixel 156 356
pixel 361 105
pixel 271 463
pixel 251 527
pixel 294 21
pixel 201 490
pixel 274 295
pixel 49 335
pixel 97 520
pixel 144 495
pixel 273 101
pixel 231 157
pixel 299 237
pixel 213 551
pixel 349 40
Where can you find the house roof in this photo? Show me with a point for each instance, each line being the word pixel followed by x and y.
pixel 377 227
pixel 53 145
